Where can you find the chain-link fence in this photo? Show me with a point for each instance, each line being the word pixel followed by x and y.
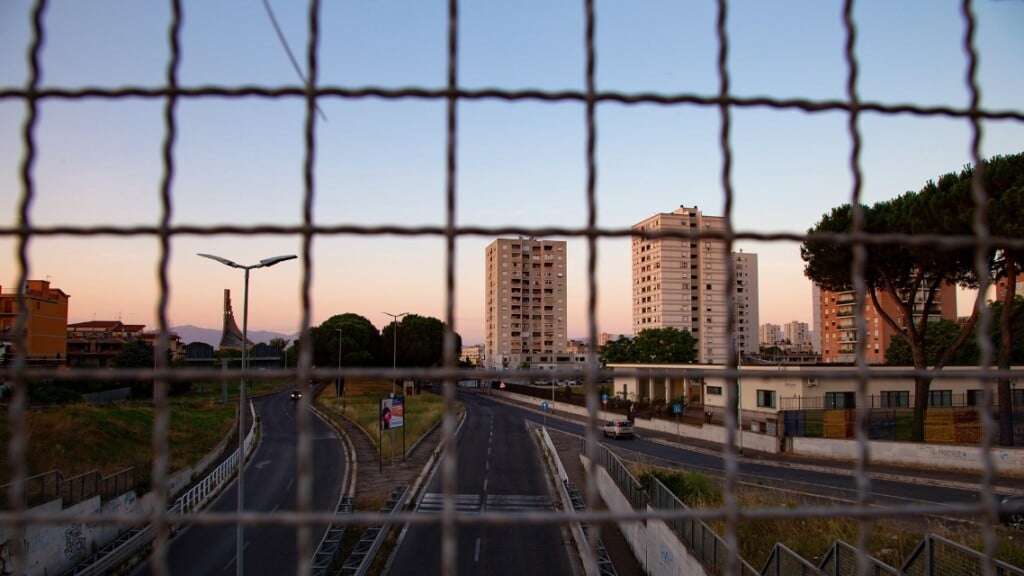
pixel 26 229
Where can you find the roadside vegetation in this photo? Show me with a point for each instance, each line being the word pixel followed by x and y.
pixel 361 403
pixel 78 437
pixel 891 540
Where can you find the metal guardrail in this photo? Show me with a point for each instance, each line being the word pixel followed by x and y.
pixel 632 488
pixel 936 556
pixel 330 545
pixel 841 560
pixel 784 562
pixel 604 561
pixel 365 550
pixel 699 538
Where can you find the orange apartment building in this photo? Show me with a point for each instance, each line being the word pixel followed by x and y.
pixel 839 330
pixel 46 322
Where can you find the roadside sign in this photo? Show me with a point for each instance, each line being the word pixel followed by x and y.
pixel 544 406
pixel 677 408
pixel 604 398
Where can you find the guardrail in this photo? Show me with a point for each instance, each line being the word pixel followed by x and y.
pixel 366 549
pixel 330 545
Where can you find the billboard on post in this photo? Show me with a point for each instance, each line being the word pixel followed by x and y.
pixel 392 412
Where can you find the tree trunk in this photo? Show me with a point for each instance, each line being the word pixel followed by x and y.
pixel 922 384
pixel 1005 396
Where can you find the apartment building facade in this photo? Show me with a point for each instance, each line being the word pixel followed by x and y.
pixel 839 330
pixel 525 300
pixel 679 281
pixel 46 323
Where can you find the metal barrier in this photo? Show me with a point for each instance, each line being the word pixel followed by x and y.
pixel 937 556
pixel 25 228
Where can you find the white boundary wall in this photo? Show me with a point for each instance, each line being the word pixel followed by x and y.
pixel 950 457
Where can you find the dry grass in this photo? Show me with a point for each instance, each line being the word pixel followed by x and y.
pixel 361 404
pixel 889 540
pixel 81 438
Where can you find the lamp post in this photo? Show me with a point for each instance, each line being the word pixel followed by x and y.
pixel 338 388
pixel 266 262
pixel 394 348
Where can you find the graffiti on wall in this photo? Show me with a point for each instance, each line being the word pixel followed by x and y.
pixel 75 548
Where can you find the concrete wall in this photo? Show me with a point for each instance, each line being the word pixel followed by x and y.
pixel 55 548
pixel 952 456
pixel 949 457
pixel 659 551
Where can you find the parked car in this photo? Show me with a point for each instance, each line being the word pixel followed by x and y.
pixel 1011 511
pixel 618 429
pixel 296 394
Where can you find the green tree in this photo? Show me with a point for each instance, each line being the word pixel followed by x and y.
pixel 664 346
pixel 1004 177
pixel 910 275
pixel 941 336
pixel 616 351
pixel 357 342
pixel 135 354
pixel 420 342
pixel 652 346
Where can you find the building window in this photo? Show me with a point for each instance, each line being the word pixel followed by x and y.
pixel 975 397
pixel 766 398
pixel 937 398
pixel 840 400
pixel 714 390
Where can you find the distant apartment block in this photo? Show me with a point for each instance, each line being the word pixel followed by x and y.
pixel 771 335
pixel 472 354
pixel 98 342
pixel 680 282
pixel 839 330
pixel 46 323
pixel 525 317
pixel 798 334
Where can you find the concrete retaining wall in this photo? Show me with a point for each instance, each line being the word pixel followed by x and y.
pixel 659 551
pixel 947 456
pixel 55 548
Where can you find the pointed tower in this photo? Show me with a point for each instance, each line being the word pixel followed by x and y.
pixel 230 336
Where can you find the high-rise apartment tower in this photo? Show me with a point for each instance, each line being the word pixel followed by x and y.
pixel 680 282
pixel 526 303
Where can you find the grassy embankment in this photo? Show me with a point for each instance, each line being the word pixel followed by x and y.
pixel 890 540
pixel 361 404
pixel 77 438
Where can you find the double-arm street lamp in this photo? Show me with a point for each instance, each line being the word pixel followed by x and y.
pixel 394 348
pixel 266 262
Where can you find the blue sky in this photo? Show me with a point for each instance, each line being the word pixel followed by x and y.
pixel 519 163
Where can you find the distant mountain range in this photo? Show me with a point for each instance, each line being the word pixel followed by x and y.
pixel 190 333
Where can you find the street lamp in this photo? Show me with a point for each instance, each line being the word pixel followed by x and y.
pixel 338 388
pixel 394 349
pixel 266 262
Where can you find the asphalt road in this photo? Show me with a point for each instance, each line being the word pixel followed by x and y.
pixel 500 469
pixel 887 490
pixel 270 485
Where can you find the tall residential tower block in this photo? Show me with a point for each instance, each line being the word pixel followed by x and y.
pixel 525 303
pixel 679 281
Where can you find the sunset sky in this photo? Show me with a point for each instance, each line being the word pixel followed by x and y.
pixel 379 162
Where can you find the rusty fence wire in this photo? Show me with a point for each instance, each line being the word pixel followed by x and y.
pixel 172 93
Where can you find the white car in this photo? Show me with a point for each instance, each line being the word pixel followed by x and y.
pixel 618 429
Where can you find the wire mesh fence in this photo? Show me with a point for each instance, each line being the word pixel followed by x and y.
pixel 170 93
